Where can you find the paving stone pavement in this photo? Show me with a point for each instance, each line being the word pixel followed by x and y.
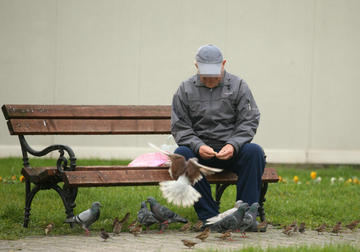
pixel 171 241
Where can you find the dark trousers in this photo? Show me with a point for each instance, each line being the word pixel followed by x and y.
pixel 248 165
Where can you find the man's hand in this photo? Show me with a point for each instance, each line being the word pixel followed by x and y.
pixel 226 152
pixel 206 152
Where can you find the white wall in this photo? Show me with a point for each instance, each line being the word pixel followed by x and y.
pixel 300 58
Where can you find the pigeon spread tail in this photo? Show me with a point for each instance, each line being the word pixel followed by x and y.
pixel 179 192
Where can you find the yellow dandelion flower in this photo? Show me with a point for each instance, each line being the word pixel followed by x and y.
pixel 13 177
pixel 296 179
pixel 22 178
pixel 348 181
pixel 356 181
pixel 0 178
pixel 313 175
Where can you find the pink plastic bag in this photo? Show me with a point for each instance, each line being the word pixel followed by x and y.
pixel 150 159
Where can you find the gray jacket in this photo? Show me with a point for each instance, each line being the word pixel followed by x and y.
pixel 226 114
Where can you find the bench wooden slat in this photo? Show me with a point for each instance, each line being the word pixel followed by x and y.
pixel 86 111
pixel 87 127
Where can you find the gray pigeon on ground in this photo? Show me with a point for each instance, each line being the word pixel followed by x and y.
pixel 86 218
pixel 249 218
pixel 163 214
pixel 146 217
pixel 231 221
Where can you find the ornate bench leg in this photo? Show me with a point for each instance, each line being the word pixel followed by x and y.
pixel 68 196
pixel 28 199
pixel 262 199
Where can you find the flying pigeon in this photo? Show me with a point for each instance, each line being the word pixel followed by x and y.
pixel 86 218
pixel 103 234
pixel 163 214
pixel 204 234
pixel 232 221
pixel 146 217
pixel 188 243
pixel 49 228
pixel 185 174
pixel 249 218
pixel 226 213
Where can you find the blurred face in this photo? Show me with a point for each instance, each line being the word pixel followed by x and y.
pixel 211 81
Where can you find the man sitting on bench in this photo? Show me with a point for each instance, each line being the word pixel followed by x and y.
pixel 214 118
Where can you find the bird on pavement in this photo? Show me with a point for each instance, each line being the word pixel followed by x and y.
pixel 185 228
pixel 249 219
pixel 132 225
pixel 302 227
pixel 261 225
pixel 185 174
pixel 49 228
pixel 233 220
pixel 226 236
pixel 163 214
pixel 321 229
pixel 188 243
pixel 103 234
pixel 204 234
pixel 226 213
pixel 119 224
pixel 352 225
pixel 198 225
pixel 336 229
pixel 146 217
pixel 137 230
pixel 86 218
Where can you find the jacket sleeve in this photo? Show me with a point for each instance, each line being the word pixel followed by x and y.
pixel 247 118
pixel 181 124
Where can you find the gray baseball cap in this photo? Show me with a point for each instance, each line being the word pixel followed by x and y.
pixel 209 58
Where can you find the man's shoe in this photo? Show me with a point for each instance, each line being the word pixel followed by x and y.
pixel 253 227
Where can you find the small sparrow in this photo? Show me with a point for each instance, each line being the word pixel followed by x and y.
pixel 352 225
pixel 136 230
pixel 321 229
pixel 132 225
pixel 291 225
pixel 185 228
pixel 188 243
pixel 261 225
pixel 226 236
pixel 198 225
pixel 117 226
pixel 204 234
pixel 125 219
pixel 302 227
pixel 103 234
pixel 337 228
pixel 49 228
pixel 289 231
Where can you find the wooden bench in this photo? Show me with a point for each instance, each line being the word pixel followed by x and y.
pixel 96 120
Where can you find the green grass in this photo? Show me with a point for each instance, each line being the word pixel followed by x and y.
pixel 313 203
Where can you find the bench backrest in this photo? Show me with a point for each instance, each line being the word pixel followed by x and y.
pixel 87 119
